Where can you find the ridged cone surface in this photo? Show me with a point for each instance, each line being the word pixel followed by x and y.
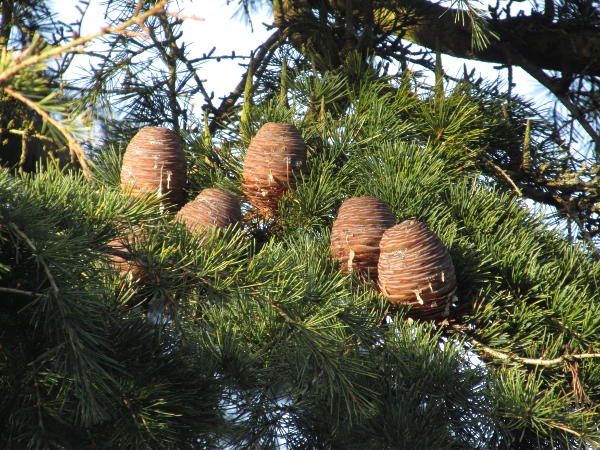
pixel 416 268
pixel 356 232
pixel 211 208
pixel 274 156
pixel 127 265
pixel 155 162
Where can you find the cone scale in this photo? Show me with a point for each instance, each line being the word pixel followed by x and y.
pixel 212 208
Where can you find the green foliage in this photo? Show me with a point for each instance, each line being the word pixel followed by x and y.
pixel 253 338
pixel 481 32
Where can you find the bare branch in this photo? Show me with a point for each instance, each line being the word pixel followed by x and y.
pixel 503 173
pixel 530 361
pixel 75 44
pixel 20 292
pixel 230 100
pixel 553 87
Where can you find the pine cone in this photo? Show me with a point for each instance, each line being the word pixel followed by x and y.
pixel 275 155
pixel 154 162
pixel 212 208
pixel 356 233
pixel 415 268
pixel 124 261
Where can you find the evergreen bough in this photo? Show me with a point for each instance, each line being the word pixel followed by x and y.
pixel 253 338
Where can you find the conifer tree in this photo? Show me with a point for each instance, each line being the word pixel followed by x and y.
pixel 252 336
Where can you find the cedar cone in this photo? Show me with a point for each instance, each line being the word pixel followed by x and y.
pixel 275 155
pixel 154 162
pixel 356 233
pixel 415 268
pixel 124 261
pixel 212 208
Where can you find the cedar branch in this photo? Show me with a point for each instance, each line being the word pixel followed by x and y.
pixel 75 146
pixel 531 361
pixel 230 100
pixel 25 60
pixel 74 45
pixel 37 252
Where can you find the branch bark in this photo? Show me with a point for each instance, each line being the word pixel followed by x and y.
pixel 549 45
pixel 20 292
pixel 550 84
pixel 77 44
pixel 7 22
pixel 496 354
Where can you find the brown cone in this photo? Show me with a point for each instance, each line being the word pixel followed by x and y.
pixel 212 208
pixel 155 163
pixel 124 261
pixel 274 156
pixel 415 268
pixel 356 233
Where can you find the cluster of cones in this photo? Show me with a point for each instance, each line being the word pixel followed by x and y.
pixel 154 164
pixel 407 262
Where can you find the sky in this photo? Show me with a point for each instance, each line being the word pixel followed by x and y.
pixel 226 33
pixel 218 28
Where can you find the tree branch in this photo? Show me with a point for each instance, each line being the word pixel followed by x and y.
pixel 20 292
pixel 38 401
pixel 79 42
pixel 230 100
pixel 530 361
pixel 75 146
pixel 280 311
pixel 503 173
pixel 546 81
pixel 36 252
pixel 28 58
pixel 549 45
